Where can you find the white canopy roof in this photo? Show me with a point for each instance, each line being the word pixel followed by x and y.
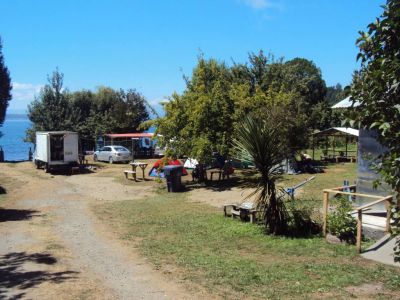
pixel 345 103
pixel 347 130
pixel 337 131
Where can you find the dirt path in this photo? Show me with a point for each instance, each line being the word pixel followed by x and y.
pixel 52 245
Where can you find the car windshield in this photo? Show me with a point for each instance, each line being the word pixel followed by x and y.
pixel 122 149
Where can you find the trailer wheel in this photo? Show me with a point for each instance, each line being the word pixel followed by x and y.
pixel 95 157
pixel 110 160
pixel 46 168
pixel 37 164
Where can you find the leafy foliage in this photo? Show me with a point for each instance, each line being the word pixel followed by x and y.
pixel 205 116
pixel 200 120
pixel 376 86
pixel 5 86
pixel 86 112
pixel 341 223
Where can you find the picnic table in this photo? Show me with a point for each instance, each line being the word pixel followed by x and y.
pixel 136 164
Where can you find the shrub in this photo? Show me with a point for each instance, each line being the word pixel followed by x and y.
pixel 301 218
pixel 341 223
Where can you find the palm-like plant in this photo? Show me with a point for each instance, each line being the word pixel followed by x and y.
pixel 263 143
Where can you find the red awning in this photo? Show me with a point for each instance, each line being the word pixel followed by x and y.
pixel 130 135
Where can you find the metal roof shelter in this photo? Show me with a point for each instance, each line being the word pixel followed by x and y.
pixel 140 143
pixel 335 132
pixel 338 131
pixel 130 135
pixel 346 103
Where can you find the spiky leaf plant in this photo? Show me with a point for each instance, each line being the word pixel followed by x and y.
pixel 262 142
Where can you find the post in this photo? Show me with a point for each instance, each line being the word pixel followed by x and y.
pixel 325 212
pixel 388 215
pixel 313 148
pixel 359 230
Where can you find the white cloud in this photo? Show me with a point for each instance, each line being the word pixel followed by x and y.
pixel 257 4
pixel 263 4
pixel 25 91
pixel 22 95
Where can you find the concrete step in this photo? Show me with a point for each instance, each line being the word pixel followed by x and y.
pixel 382 251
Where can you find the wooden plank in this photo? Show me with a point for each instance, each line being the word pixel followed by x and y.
pixel 388 206
pixel 325 212
pixel 342 187
pixel 359 231
pixel 353 194
pixel 387 198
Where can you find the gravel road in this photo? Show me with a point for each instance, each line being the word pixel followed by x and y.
pixel 84 259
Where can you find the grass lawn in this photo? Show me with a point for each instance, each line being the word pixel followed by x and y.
pixel 333 176
pixel 194 243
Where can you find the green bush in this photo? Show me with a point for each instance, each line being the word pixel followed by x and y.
pixel 301 218
pixel 341 223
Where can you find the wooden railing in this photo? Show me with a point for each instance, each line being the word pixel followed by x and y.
pixel 359 210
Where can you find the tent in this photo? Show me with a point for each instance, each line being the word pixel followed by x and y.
pixel 154 170
pixel 190 163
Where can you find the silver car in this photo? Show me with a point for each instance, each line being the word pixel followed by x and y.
pixel 112 154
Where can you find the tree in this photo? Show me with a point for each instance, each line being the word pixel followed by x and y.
pixel 260 142
pixel 376 86
pixel 5 86
pixel 200 120
pixel 51 111
pixel 334 94
pixel 88 113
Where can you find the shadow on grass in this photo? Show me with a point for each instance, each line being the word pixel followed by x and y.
pixel 246 178
pixel 14 278
pixel 7 215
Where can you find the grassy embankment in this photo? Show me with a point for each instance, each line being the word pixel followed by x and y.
pixel 193 242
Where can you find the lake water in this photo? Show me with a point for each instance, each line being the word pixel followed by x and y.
pixel 12 140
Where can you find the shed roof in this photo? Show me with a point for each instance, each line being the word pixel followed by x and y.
pixel 130 135
pixel 337 131
pixel 345 103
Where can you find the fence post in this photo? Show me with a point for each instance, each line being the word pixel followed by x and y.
pixel 359 230
pixel 325 212
pixel 388 215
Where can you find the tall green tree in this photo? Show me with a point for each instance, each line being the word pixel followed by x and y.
pixel 89 113
pixel 376 86
pixel 51 111
pixel 200 120
pixel 5 86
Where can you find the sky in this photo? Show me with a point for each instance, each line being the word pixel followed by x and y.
pixel 150 45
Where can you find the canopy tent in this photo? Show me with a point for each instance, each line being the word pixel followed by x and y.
pixel 141 144
pixel 347 133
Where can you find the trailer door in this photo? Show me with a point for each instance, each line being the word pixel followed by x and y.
pixel 70 147
pixel 56 147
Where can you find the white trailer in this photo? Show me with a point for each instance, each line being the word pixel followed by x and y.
pixel 56 149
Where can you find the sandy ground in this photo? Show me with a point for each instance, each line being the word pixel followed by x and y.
pixel 52 246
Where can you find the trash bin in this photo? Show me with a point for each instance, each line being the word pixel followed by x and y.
pixel 173 176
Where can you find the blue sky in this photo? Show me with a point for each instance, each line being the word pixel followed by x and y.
pixel 149 45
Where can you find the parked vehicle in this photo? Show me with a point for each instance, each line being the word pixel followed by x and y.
pixel 56 149
pixel 112 153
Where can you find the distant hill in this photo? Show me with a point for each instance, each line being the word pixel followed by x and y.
pixel 16 117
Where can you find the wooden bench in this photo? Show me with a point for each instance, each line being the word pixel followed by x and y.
pixel 234 211
pixel 126 172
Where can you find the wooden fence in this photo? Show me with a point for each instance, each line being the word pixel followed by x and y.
pixel 359 210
